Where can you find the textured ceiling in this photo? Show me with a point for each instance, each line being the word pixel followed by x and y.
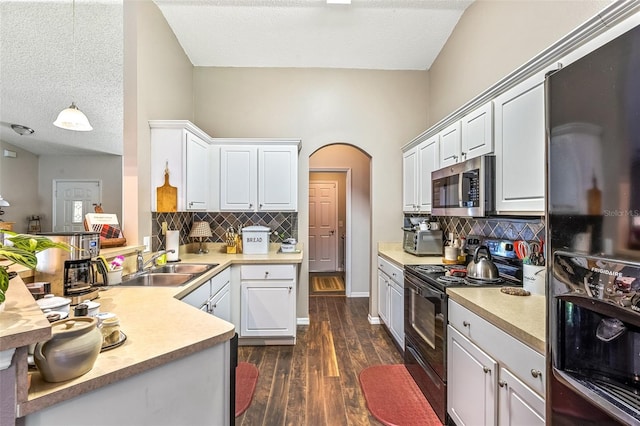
pixel 371 34
pixel 38 77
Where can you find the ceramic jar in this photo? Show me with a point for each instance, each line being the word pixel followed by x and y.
pixel 72 350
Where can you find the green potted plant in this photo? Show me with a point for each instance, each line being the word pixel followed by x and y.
pixel 22 251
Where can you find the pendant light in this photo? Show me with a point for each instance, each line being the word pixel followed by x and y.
pixel 72 118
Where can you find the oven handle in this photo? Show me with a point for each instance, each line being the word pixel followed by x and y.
pixel 426 369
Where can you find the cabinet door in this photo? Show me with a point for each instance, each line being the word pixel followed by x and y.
pixel 278 178
pixel 199 297
pixel 383 297
pixel 409 180
pixel 471 382
pixel 396 312
pixel 518 404
pixel 519 147
pixel 477 132
pixel 238 178
pixel 220 304
pixel 428 161
pixel 268 309
pixel 197 171
pixel 450 145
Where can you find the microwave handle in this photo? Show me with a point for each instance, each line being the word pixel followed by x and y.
pixel 460 186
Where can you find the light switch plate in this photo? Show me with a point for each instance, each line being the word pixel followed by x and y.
pixel 146 241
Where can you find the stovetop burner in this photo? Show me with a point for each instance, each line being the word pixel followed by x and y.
pixel 451 279
pixel 431 269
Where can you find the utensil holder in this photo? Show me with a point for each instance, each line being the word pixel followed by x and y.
pixel 534 278
pixel 114 277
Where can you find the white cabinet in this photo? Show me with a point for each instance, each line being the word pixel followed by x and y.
pixel 467 138
pixel 391 299
pixel 268 301
pixel 477 132
pixel 417 165
pixel 450 140
pixel 410 180
pixel 520 147
pixel 470 372
pixel 492 378
pixel 428 161
pixel 213 296
pixel 258 175
pixel 184 149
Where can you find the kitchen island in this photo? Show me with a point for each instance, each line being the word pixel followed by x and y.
pixel 173 367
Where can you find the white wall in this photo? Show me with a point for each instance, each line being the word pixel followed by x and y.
pixel 19 186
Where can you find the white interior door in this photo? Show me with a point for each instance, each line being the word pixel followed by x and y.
pixel 323 217
pixel 72 199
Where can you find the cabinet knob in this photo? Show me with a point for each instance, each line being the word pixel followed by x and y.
pixel 290 289
pixel 536 373
pixel 502 383
pixel 466 323
pixel 486 369
pixel 260 205
pixel 250 205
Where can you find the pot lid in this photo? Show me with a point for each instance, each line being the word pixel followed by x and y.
pixel 91 304
pixel 49 301
pixel 256 228
pixel 71 327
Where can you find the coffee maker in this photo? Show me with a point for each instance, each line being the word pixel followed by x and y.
pixel 72 274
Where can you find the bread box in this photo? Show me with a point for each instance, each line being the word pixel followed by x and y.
pixel 255 239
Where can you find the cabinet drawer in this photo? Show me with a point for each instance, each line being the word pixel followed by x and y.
pixel 220 280
pixel 394 272
pixel 526 363
pixel 267 272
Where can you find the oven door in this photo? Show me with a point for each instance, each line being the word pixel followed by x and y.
pixel 426 322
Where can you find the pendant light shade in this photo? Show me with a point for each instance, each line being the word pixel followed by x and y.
pixel 73 119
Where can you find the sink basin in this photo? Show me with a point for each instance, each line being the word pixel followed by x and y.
pixel 151 279
pixel 183 268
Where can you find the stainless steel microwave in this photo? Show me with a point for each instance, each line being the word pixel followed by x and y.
pixel 464 189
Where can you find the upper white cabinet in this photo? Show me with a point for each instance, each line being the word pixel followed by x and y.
pixel 520 147
pixel 410 180
pixel 184 149
pixel 450 139
pixel 417 165
pixel 477 132
pixel 428 161
pixel 258 175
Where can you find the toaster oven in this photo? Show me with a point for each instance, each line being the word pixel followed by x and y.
pixel 422 243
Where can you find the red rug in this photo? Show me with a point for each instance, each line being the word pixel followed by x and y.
pixel 246 379
pixel 394 398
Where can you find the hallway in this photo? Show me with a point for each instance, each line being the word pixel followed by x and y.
pixel 315 382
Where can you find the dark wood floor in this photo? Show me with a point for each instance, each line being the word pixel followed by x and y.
pixel 315 382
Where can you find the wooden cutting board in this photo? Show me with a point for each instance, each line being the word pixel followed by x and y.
pixel 166 196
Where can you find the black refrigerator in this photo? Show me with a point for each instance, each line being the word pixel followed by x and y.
pixel 593 236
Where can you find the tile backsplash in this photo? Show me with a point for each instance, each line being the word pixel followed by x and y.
pixel 284 223
pixel 501 227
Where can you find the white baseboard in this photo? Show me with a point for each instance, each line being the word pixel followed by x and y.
pixel 359 294
pixel 303 321
pixel 374 320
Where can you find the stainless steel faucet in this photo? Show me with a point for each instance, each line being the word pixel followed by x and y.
pixel 141 264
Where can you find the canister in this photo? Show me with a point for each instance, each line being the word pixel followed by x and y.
pixel 255 239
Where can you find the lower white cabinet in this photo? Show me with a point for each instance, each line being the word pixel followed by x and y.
pixel 213 296
pixel 492 378
pixel 268 301
pixel 391 299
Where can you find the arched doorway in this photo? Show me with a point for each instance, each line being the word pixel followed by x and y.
pixel 350 243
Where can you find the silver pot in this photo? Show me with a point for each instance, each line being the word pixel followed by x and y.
pixel 482 268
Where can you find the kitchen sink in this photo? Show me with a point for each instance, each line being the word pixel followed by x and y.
pixel 151 279
pixel 183 268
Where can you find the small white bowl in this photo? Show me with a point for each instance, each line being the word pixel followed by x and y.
pixel 55 303
pixel 93 308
